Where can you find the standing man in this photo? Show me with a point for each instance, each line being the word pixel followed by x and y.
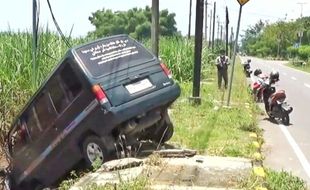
pixel 222 63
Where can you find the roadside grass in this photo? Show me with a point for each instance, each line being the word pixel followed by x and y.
pixel 212 127
pixel 305 68
pixel 140 183
pixel 274 180
pixel 283 181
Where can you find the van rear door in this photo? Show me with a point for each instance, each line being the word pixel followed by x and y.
pixel 123 67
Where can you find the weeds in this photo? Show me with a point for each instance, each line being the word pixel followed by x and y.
pixel 283 181
pixel 66 184
pixel 274 181
pixel 140 183
pixel 305 67
pixel 211 127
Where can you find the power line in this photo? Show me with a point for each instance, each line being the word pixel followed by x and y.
pixel 57 26
pixel 38 19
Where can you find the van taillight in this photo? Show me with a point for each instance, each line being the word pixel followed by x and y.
pixel 99 93
pixel 166 70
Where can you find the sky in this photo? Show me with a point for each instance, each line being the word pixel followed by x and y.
pixel 17 14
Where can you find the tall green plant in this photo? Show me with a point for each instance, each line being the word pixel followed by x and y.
pixel 178 54
pixel 16 69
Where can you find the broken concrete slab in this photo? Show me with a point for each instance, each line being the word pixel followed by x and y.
pixel 202 171
pixel 102 177
pixel 121 164
pixel 197 171
pixel 176 153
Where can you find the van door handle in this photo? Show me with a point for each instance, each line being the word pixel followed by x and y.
pixel 135 78
pixel 138 77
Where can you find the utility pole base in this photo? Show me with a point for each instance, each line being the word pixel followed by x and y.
pixel 195 100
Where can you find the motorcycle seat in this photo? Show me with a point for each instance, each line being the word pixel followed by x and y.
pixel 278 95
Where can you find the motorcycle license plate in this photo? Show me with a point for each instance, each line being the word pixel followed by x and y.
pixel 139 86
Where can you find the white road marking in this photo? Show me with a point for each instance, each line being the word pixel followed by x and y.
pixel 307 85
pixel 284 74
pixel 293 78
pixel 301 157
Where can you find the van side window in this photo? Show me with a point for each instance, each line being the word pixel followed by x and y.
pixel 45 110
pixel 72 84
pixel 64 88
pixel 57 93
pixel 33 123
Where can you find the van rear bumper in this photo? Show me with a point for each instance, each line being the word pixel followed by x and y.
pixel 160 98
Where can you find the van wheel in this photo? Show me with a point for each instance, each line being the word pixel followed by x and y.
pixel 164 133
pixel 94 150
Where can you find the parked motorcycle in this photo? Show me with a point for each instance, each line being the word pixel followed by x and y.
pixel 275 104
pixel 247 68
pixel 257 85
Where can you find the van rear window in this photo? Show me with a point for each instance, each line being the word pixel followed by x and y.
pixel 112 54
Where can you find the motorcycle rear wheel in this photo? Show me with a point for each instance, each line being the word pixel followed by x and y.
pixel 285 119
pixel 269 115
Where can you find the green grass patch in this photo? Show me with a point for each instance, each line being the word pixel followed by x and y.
pixel 274 181
pixel 284 181
pixel 211 127
pixel 305 68
pixel 140 183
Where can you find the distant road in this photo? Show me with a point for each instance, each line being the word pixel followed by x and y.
pixel 288 147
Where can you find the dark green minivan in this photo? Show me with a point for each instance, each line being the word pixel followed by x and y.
pixel 101 95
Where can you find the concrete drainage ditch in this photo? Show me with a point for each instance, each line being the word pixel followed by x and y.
pixel 172 169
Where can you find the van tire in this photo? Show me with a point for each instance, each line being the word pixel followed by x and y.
pixel 93 148
pixel 164 134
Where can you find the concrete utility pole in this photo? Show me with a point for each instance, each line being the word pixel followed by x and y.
pixel 231 41
pixel 155 26
pixel 210 32
pixel 221 34
pixel 189 20
pixel 206 20
pixel 300 32
pixel 218 30
pixel 226 35
pixel 34 42
pixel 198 48
pixel 213 27
pixel 301 7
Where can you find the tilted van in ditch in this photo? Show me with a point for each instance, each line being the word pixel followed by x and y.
pixel 100 95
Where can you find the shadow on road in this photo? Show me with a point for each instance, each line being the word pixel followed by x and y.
pixel 275 121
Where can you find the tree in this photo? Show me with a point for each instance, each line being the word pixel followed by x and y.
pixel 252 35
pixel 265 39
pixel 135 22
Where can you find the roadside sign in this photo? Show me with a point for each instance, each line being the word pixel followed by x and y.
pixel 242 2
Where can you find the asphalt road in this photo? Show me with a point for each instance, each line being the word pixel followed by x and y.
pixel 288 147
